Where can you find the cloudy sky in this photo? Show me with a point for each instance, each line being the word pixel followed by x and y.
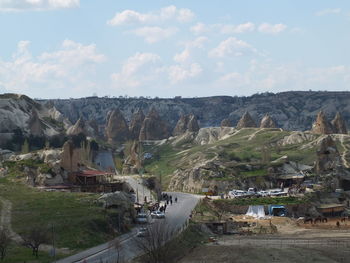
pixel 76 48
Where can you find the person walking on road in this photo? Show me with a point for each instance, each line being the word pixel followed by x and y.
pixel 175 199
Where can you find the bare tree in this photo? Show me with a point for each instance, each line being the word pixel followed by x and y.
pixel 5 241
pixel 154 244
pixel 117 246
pixel 34 238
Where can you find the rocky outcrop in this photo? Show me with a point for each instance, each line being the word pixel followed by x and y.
pixel 328 157
pixel 34 124
pixel 132 162
pixel 87 128
pixel 186 123
pixel 321 125
pixel 117 129
pixel 78 127
pixel 267 122
pixel 339 125
pixel 136 124
pixel 246 121
pixel 153 127
pixel 71 158
pixel 226 123
pixel 32 118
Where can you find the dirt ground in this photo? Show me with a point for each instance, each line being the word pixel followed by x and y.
pixel 300 243
pixel 289 226
pixel 248 254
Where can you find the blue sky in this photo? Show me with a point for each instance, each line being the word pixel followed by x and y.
pixel 72 48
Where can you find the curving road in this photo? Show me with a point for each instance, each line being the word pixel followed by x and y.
pixel 177 215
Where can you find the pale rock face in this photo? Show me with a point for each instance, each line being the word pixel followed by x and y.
pixel 21 112
pixel 136 124
pixel 246 121
pixel 78 127
pixel 321 125
pixel 267 122
pixel 186 123
pixel 117 129
pixel 328 157
pixel 87 128
pixel 71 157
pixel 226 123
pixel 153 127
pixel 132 163
pixel 297 138
pixel 339 124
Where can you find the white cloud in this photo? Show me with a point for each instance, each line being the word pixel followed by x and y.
pixel 271 29
pixel 137 70
pixel 183 56
pixel 190 47
pixel 234 29
pixel 73 66
pixel 201 28
pixel 328 11
pixel 36 5
pixel 232 47
pixel 131 17
pixel 154 34
pixel 179 73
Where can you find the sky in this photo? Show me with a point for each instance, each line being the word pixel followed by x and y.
pixel 162 48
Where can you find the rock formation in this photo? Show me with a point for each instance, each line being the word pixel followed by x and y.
pixel 117 129
pixel 186 123
pixel 226 123
pixel 34 124
pixel 71 157
pixel 267 122
pixel 327 156
pixel 136 124
pixel 78 127
pixel 246 121
pixel 89 128
pixel 321 125
pixel 132 162
pixel 153 127
pixel 339 125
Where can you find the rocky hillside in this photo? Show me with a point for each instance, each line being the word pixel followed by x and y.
pixel 290 110
pixel 229 158
pixel 19 112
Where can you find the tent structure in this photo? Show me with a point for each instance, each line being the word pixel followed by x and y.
pixel 256 211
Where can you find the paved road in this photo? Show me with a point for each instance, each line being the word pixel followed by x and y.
pixel 176 216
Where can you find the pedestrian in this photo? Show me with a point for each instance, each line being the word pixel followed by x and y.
pixel 175 199
pixel 164 207
pixel 171 201
pixel 167 202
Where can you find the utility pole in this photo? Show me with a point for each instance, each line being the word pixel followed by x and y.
pixel 53 244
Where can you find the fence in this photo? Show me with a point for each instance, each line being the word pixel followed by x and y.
pixel 342 243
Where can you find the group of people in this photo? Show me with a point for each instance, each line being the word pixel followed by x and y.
pixel 168 198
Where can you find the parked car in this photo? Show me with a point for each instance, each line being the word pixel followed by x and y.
pixel 157 214
pixel 263 193
pixel 238 193
pixel 142 218
pixel 142 232
pixel 277 193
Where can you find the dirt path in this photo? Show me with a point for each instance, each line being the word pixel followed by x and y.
pixel 251 137
pixel 345 152
pixel 5 220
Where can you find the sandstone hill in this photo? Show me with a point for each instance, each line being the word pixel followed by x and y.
pixel 290 110
pixel 32 118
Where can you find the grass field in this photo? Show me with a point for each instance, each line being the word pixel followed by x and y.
pixel 78 221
